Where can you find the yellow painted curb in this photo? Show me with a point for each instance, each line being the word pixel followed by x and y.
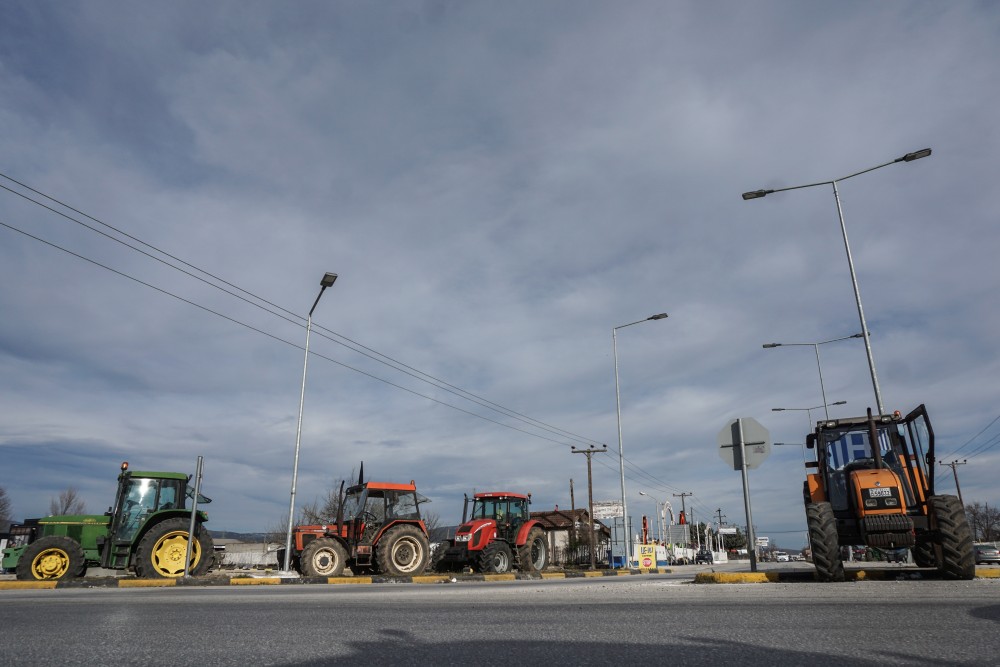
pixel 623 573
pixel 254 581
pixel 431 579
pixel 734 577
pixel 988 572
pixel 146 583
pixel 499 577
pixel 26 585
pixel 593 574
pixel 553 575
pixel 349 580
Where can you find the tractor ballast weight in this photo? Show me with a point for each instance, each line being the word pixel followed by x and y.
pixel 378 529
pixel 498 536
pixel 872 483
pixel 146 530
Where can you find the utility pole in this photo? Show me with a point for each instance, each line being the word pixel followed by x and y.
pixel 722 540
pixel 953 465
pixel 682 496
pixel 590 498
pixel 572 507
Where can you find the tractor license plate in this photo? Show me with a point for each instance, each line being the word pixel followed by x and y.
pixel 880 493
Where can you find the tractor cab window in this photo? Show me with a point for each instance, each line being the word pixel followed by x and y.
pixel 847 450
pixel 142 497
pixel 485 508
pixel 353 502
pixel 401 505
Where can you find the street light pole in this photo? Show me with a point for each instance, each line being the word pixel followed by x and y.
pixel 819 366
pixel 327 281
pixel 621 453
pixel 757 194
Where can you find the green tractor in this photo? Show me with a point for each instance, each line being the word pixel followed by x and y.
pixel 146 530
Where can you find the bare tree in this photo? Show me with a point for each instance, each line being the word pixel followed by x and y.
pixel 985 521
pixel 5 511
pixel 69 502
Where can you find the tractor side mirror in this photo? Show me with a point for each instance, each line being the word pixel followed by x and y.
pixel 811 441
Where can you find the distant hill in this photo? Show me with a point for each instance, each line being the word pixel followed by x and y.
pixel 242 537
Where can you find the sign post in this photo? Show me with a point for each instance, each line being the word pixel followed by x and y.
pixel 744 444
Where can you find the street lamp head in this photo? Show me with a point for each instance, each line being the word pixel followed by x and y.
pixel 778 409
pixel 660 316
pixel 916 155
pixel 328 280
pixel 756 194
pixel 839 403
pixel 770 345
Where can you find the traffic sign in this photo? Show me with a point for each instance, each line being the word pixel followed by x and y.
pixel 756 441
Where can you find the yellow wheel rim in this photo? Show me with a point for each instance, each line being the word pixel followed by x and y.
pixel 169 553
pixel 50 564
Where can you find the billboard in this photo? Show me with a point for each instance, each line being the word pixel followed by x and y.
pixel 608 509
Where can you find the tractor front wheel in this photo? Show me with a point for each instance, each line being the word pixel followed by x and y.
pixel 533 555
pixel 323 557
pixel 162 551
pixel 956 557
pixel 495 558
pixel 823 540
pixel 403 551
pixel 49 558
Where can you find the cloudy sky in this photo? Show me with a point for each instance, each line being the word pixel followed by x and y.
pixel 498 186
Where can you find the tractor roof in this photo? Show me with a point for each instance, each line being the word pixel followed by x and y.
pixel 495 495
pixel 158 475
pixel 387 486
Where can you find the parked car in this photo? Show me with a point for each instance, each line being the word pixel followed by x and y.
pixel 987 553
pixel 703 556
pixel 781 557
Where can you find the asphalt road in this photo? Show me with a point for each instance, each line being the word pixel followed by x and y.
pixel 618 620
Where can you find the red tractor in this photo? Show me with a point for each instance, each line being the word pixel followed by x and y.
pixel 499 536
pixel 378 529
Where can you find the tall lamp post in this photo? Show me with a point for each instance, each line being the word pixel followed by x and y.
pixel 621 453
pixel 819 366
pixel 327 281
pixel 757 194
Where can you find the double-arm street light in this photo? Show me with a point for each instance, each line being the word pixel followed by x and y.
pixel 328 280
pixel 757 194
pixel 819 366
pixel 621 454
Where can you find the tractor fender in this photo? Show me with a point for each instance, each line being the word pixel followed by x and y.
pixel 389 525
pixel 522 533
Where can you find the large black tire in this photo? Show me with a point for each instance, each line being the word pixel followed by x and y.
pixel 956 557
pixel 403 552
pixel 533 555
pixel 823 540
pixel 50 558
pixel 323 557
pixel 162 551
pixel 495 558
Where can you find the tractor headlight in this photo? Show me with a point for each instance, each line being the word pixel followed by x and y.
pixel 462 538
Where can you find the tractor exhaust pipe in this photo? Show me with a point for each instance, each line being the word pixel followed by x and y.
pixel 873 441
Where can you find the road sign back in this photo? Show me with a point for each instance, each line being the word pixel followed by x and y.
pixel 756 440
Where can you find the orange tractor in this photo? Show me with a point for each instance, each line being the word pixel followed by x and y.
pixel 872 483
pixel 378 529
pixel 500 535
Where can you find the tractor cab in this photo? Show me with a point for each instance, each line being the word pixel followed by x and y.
pixel 508 511
pixel 368 508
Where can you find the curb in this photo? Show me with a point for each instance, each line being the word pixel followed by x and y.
pixel 800 576
pixel 243 580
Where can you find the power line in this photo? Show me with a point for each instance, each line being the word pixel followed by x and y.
pixel 354 345
pixel 269 335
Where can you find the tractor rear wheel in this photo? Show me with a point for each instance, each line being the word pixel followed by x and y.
pixel 163 549
pixel 533 555
pixel 403 551
pixel 496 558
pixel 923 554
pixel 53 557
pixel 323 557
pixel 823 540
pixel 956 556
